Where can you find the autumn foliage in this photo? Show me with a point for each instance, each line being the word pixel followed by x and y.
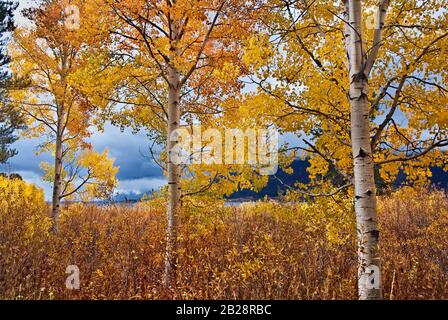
pixel 360 86
pixel 255 251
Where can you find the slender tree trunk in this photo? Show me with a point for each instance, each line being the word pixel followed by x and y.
pixel 369 285
pixel 57 183
pixel 369 266
pixel 173 177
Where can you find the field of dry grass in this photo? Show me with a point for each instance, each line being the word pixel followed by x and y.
pixel 258 251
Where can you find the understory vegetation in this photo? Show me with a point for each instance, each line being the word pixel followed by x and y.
pixel 263 250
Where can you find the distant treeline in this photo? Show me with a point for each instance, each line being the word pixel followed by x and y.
pixel 12 176
pixel 275 187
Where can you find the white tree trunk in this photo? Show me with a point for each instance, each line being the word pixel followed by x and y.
pixel 369 266
pixel 57 182
pixel 60 128
pixel 173 176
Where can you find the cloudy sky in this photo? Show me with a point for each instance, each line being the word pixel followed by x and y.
pixel 137 173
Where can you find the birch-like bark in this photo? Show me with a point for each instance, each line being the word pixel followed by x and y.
pixel 174 188
pixel 174 170
pixel 57 182
pixel 369 266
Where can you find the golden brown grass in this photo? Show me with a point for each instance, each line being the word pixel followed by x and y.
pixel 263 251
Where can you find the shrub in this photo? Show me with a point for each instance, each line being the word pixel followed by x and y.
pixel 255 251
